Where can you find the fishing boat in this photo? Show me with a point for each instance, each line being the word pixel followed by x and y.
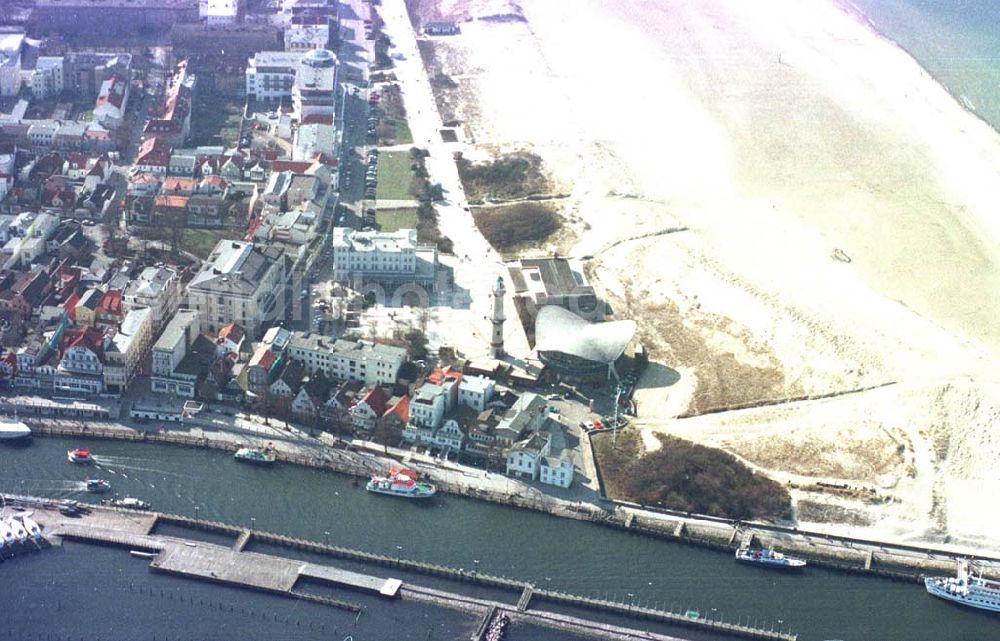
pixel 966 589
pixel 80 455
pixel 127 502
pixel 401 485
pixel 769 558
pixel 253 455
pixel 14 431
pixel 98 486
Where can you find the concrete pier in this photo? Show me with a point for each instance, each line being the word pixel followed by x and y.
pixel 234 565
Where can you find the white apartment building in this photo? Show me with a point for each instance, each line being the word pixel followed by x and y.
pixel 555 471
pixel 240 283
pixel 157 288
pixel 219 12
pixel 309 79
pixel 170 349
pixel 428 405
pixel 370 363
pixel 315 90
pixel 270 75
pixel 372 253
pixel 301 38
pixel 48 77
pixel 476 392
pixel 125 350
pixel 524 459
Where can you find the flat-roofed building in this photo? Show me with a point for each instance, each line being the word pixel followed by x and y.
pixel 124 352
pixel 370 363
pixel 270 75
pixel 157 288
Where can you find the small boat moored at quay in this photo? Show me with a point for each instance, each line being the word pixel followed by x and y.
pixel 127 502
pixel 6 535
pixel 254 455
pixel 399 484
pixel 80 455
pixel 98 486
pixel 14 431
pixel 769 558
pixel 966 589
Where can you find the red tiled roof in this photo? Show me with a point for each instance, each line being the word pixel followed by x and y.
pixel 232 332
pixel 178 183
pixel 400 408
pixel 375 399
pixel 164 200
pixel 113 92
pixel 88 337
pixel 295 166
pixel 111 303
pixel 153 151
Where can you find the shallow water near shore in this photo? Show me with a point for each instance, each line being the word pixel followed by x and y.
pixel 556 553
pixel 956 42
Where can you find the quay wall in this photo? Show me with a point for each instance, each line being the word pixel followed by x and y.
pixel 893 561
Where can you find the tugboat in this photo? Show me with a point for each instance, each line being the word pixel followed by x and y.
pixel 401 485
pixel 98 486
pixel 127 502
pixel 966 589
pixel 768 557
pixel 253 455
pixel 80 455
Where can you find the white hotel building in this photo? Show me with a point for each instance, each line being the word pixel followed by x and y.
pixel 382 255
pixel 309 79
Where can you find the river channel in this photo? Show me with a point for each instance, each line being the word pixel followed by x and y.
pixel 560 554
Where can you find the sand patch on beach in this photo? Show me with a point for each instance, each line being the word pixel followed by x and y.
pixel 791 208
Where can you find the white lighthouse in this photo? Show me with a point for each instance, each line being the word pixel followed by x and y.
pixel 496 343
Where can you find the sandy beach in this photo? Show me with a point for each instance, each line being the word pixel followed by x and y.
pixel 838 233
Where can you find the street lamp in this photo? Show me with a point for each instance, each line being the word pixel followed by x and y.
pixel 631 598
pixel 399 550
pixel 475 567
pixel 326 537
pixel 253 522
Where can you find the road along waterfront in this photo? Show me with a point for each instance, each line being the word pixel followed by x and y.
pixel 557 554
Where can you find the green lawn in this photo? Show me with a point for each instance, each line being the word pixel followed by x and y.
pixel 394 219
pixel 394 176
pixel 201 242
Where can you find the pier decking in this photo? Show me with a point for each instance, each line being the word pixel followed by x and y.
pixel 231 564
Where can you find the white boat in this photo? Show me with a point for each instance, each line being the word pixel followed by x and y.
pixel 769 558
pixel 401 485
pixel 17 528
pixel 6 534
pixel 966 589
pixel 34 530
pixel 254 455
pixel 14 431
pixel 127 502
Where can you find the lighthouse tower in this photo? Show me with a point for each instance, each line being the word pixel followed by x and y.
pixel 496 343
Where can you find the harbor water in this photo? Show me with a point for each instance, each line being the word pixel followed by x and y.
pixel 554 553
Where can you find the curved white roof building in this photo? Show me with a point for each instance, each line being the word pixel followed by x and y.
pixel 576 347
